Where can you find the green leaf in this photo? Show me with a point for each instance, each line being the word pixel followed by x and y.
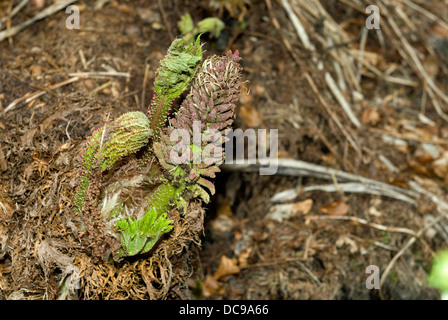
pixel 438 276
pixel 185 24
pixel 176 70
pixel 212 25
pixel 139 236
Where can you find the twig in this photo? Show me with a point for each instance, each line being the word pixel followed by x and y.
pixel 416 64
pixel 332 114
pixel 101 87
pixel 365 222
pixel 14 11
pixel 408 244
pixel 55 7
pixel 298 168
pixel 165 20
pixel 44 89
pixel 352 187
pixel 100 74
pixel 327 143
pixel 405 136
pixel 34 95
pixel 375 243
pixel 83 58
pixel 3 208
pixel 298 26
pixel 442 208
pixel 145 79
pixel 379 73
pixel 277 26
pixel 388 163
pixel 3 163
pixel 340 98
pixel 99 4
pixel 270 263
pixel 308 272
pixel 66 130
pixel 426 13
pixel 362 47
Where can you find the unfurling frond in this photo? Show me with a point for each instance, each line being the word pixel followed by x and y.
pixel 108 144
pixel 129 179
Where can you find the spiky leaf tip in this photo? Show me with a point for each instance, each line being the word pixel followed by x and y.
pixel 178 68
pixel 173 76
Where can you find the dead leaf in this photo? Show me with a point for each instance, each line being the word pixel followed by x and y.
pixel 374 212
pixel 38 4
pixel 3 162
pixel 420 169
pixel 424 158
pixel 245 96
pixel 370 57
pixel 35 70
pixel 370 116
pixel 259 90
pixel 222 224
pixel 302 207
pixel 439 31
pixel 244 255
pixel 124 8
pixel 65 146
pixel 425 205
pixel 227 266
pixel 338 208
pixel 209 286
pixel 89 84
pixel 440 167
pixel 342 240
pixel 224 207
pixel 329 158
pixel 251 116
pixel 285 211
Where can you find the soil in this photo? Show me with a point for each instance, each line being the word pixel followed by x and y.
pixel 232 248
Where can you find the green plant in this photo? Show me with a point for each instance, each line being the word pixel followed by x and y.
pixel 385 237
pixel 438 275
pixel 129 182
pixel 139 236
pixel 189 30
